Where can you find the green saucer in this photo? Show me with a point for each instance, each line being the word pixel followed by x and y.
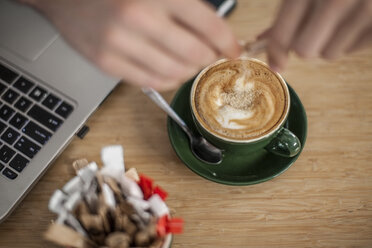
pixel 235 169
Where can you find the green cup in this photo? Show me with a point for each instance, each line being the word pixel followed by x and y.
pixel 279 140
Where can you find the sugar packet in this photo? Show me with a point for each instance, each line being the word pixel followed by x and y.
pixel 111 207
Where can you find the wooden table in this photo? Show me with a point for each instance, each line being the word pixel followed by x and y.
pixel 323 200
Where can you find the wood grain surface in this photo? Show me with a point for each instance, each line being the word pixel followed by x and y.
pixel 323 200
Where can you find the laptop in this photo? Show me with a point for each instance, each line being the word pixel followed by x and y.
pixel 47 92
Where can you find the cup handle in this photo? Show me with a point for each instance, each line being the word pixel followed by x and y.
pixel 285 144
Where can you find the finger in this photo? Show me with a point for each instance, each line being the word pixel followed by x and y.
pixel 204 22
pixel 148 55
pixel 277 57
pixel 131 72
pixel 290 16
pixel 364 41
pixel 321 25
pixel 119 66
pixel 171 37
pixel 264 34
pixel 166 85
pixel 348 32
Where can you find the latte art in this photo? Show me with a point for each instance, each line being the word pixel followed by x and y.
pixel 240 100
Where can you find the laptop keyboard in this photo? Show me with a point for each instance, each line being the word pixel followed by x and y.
pixel 29 116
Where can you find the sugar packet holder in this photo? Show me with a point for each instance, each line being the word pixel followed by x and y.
pixel 109 207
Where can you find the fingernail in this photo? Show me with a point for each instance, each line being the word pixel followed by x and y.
pixel 275 68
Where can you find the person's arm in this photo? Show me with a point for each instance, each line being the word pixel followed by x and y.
pixel 147 43
pixel 318 28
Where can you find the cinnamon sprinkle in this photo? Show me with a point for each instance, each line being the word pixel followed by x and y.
pixel 244 100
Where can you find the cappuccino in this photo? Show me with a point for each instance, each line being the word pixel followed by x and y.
pixel 240 100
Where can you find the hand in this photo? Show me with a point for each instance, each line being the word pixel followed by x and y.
pixel 147 43
pixel 318 28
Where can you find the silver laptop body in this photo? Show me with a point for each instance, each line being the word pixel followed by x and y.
pixel 34 52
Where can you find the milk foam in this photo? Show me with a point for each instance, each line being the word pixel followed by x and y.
pixel 240 99
pixel 227 114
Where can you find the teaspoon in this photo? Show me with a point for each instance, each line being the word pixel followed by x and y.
pixel 200 147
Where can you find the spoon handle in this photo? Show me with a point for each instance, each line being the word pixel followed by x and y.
pixel 251 49
pixel 159 100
